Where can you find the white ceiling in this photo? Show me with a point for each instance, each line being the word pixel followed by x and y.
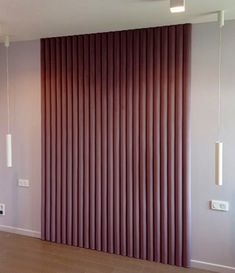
pixel 33 19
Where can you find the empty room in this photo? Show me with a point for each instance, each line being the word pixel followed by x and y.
pixel 117 128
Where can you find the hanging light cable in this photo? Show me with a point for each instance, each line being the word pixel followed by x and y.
pixel 8 135
pixel 219 143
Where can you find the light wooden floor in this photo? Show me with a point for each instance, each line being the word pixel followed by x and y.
pixel 19 254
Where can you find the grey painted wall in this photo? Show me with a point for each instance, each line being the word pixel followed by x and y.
pixel 22 204
pixel 213 233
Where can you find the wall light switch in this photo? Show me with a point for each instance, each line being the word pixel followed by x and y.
pixel 23 183
pixel 219 205
pixel 2 210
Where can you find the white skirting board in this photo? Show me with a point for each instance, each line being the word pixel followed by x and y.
pixel 21 231
pixel 212 267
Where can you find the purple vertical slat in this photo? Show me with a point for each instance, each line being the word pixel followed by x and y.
pixel 123 141
pixel 92 141
pixel 58 140
pixel 156 143
pixel 43 138
pixel 48 140
pixel 80 142
pixel 163 143
pixel 53 139
pixel 86 142
pixel 75 139
pixel 98 140
pixel 171 145
pixel 104 139
pixel 69 140
pixel 116 143
pixel 129 145
pixel 142 147
pixel 149 147
pixel 178 144
pixel 136 192
pixel 186 145
pixel 110 143
pixel 64 139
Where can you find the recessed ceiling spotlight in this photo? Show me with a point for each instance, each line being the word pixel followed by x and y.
pixel 177 6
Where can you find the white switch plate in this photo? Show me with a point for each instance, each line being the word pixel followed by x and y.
pixel 23 182
pixel 219 205
pixel 2 210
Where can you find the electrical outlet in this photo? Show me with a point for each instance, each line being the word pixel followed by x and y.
pixel 23 183
pixel 2 210
pixel 219 205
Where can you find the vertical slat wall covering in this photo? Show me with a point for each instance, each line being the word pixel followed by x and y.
pixel 115 142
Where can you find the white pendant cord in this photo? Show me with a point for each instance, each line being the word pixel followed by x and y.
pixel 219 84
pixel 221 25
pixel 7 89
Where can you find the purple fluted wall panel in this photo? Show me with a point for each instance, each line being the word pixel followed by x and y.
pixel 116 143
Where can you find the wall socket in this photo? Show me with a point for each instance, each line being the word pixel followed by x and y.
pixel 219 205
pixel 2 210
pixel 23 183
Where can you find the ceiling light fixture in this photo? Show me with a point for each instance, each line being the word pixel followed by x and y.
pixel 177 6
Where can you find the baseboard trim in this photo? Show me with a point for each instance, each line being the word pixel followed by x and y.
pixel 212 267
pixel 21 231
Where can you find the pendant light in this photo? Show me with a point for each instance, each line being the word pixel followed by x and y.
pixel 219 143
pixel 8 135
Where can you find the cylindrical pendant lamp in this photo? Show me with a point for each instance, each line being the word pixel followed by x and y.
pixel 219 163
pixel 9 150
